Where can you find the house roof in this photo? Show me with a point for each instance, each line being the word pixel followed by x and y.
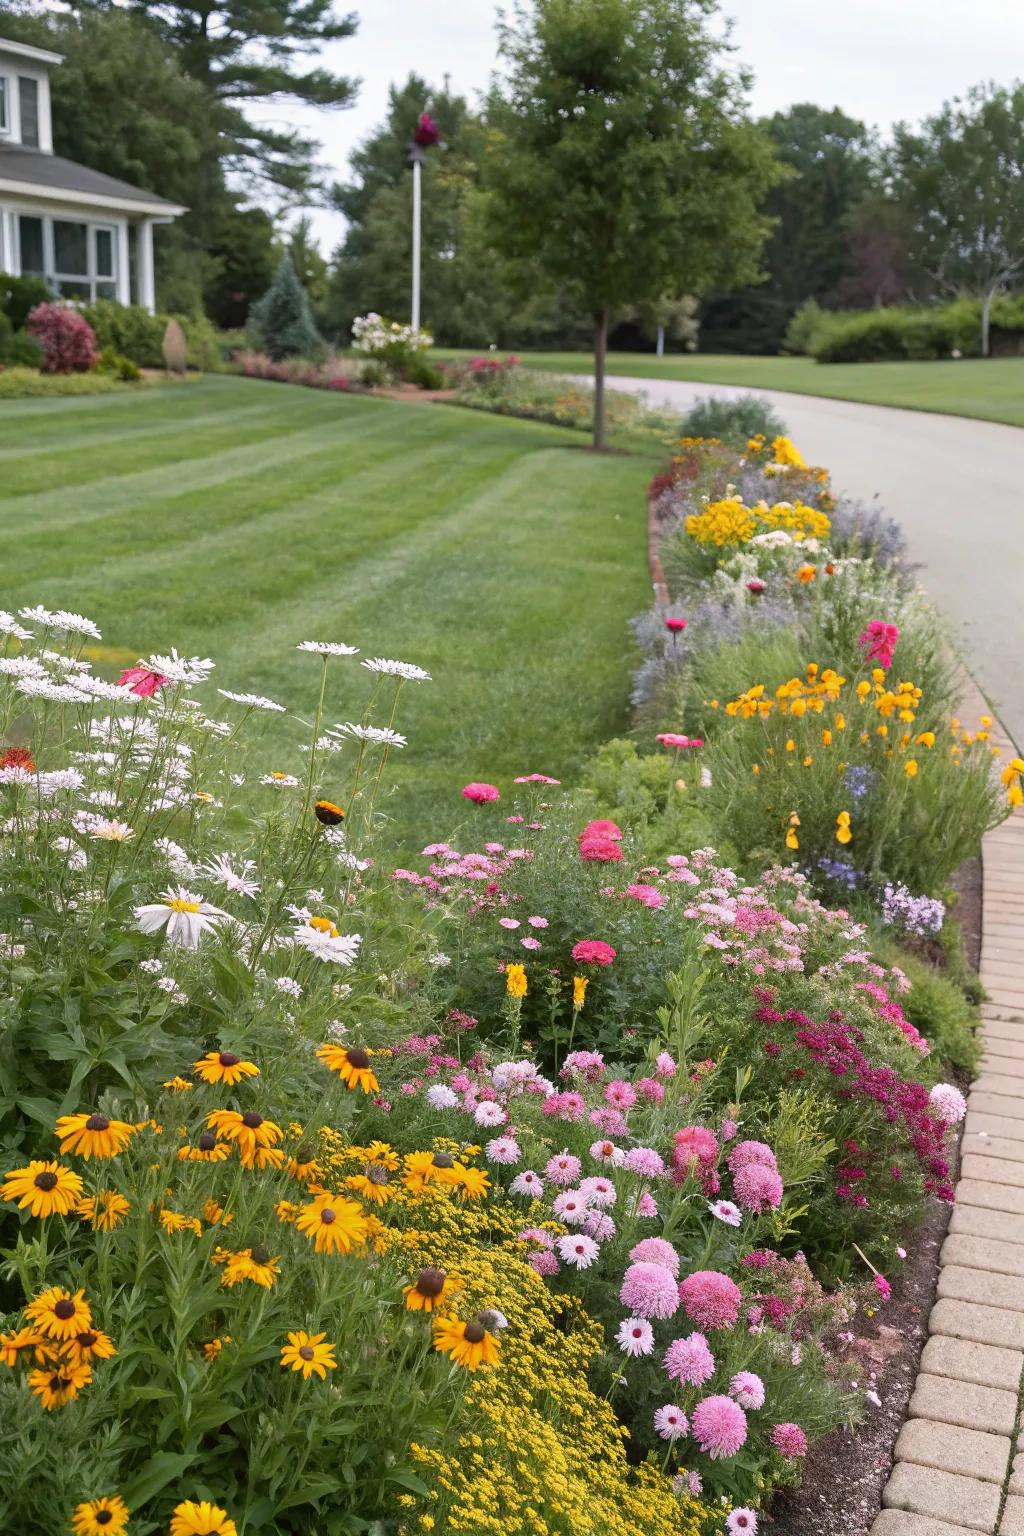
pixel 26 51
pixel 33 172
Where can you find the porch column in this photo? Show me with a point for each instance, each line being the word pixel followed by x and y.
pixel 124 266
pixel 144 264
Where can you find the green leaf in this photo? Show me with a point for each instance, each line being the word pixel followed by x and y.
pixel 163 1468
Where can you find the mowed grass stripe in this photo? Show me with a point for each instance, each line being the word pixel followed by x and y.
pixel 493 552
pixel 92 435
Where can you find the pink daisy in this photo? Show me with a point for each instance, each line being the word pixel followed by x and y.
pixel 711 1298
pixel 690 1361
pixel 563 1169
pixel 635 1337
pixel 671 1422
pixel 577 1249
pixel 747 1389
pixel 649 1290
pixel 527 1183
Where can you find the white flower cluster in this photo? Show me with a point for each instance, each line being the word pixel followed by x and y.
pixel 374 335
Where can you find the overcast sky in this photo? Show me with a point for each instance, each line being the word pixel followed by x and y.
pixel 880 60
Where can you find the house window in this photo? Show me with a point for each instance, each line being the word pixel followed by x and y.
pixel 28 106
pixel 79 261
pixel 5 95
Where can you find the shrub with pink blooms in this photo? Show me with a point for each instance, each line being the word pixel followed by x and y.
pixel 66 337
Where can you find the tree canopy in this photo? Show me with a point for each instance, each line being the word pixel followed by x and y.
pixel 622 165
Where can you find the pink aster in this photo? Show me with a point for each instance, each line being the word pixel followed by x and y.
pixel 481 794
pixel 608 1152
pixel 530 943
pixel 741 1522
pixel 649 1290
pixel 599 1191
pixel 690 1361
pixel 635 1337
pixel 142 681
pixel 790 1441
pixel 747 1389
pixel 571 1207
pixel 647 895
pixel 650 1089
pixel 694 1144
pixel 592 952
pixel 878 642
pixel 503 1150
pixel 537 922
pixel 655 1250
pixel 724 1210
pixel 577 1249
pixel 671 1422
pixel 745 1152
pixel 563 1169
pixel 758 1188
pixel 711 1298
pixel 719 1426
pixel 645 1161
pixel 527 1183
pixel 665 1065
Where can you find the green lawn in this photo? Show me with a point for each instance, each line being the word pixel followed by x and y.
pixel 992 390
pixel 233 518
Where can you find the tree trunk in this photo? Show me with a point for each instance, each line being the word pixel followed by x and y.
pixel 659 347
pixel 600 353
pixel 986 310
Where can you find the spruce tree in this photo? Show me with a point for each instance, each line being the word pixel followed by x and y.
pixel 283 319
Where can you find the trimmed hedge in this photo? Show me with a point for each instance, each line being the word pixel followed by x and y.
pixel 133 332
pixel 905 333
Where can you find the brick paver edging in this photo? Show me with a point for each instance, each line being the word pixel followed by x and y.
pixel 959 1463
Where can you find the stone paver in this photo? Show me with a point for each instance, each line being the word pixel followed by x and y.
pixel 998 1104
pixel 1007 1069
pixel 1003 1080
pixel 962 1501
pixel 969 1221
pixel 993 1170
pixel 985 1253
pixel 951 1448
pixel 966 1404
pixel 985 1325
pixel 978 1193
pixel 965 1361
pixel 1013 1517
pixel 1016 1484
pixel 896 1522
pixel 979 1127
pixel 980 1285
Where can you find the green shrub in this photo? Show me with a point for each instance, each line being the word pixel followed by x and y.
pixel 20 295
pixel 283 319
pixel 803 329
pixel 118 366
pixel 733 421
pixel 18 383
pixel 23 351
pixel 128 329
pixel 885 335
pixel 423 373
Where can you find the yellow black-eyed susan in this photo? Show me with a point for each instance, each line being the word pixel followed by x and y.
pixel 468 1344
pixel 43 1188
pixel 328 813
pixel 224 1067
pixel 255 1264
pixel 107 1516
pixel 333 1225
pixel 59 1315
pixel 205 1149
pixel 93 1135
pixel 431 1289
pixel 59 1384
pixel 255 1136
pixel 103 1211
pixel 201 1519
pixel 352 1064
pixel 89 1345
pixel 308 1353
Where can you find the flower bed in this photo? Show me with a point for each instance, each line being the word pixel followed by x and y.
pixel 503 386
pixel 542 1182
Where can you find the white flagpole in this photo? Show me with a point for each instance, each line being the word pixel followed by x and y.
pixel 417 202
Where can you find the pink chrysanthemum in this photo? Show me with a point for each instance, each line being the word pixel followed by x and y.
pixel 620 1094
pixel 649 1290
pixel 671 1422
pixel 645 1161
pixel 503 1150
pixel 725 1211
pixel 571 1207
pixel 711 1298
pixel 599 1191
pixel 647 895
pixel 758 1188
pixel 719 1426
pixel 635 1337
pixel 651 1090
pixel 527 1183
pixel 600 850
pixel 536 1235
pixel 593 952
pixel 747 1389
pixel 790 1441
pixel 577 1249
pixel 690 1361
pixel 563 1169
pixel 746 1152
pixel 948 1103
pixel 608 1152
pixel 599 1225
pixel 694 1144
pixel 741 1522
pixel 664 1064
pixel 647 1206
pixel 602 827
pixel 655 1250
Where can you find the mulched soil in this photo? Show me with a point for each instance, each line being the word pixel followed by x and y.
pixel 841 1492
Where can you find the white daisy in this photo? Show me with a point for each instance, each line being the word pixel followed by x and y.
pixel 21 666
pixel 43 688
pixel 221 869
pixel 403 669
pixel 378 735
pixel 185 916
pixel 577 1249
pixel 328 648
pixel 338 949
pixel 40 615
pixel 635 1337
pixel 75 624
pixel 181 669
pixel 98 688
pixel 10 626
pixel 280 780
pixel 252 700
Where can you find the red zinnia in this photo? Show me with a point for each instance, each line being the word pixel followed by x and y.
pixel 676 625
pixel 593 952
pixel 482 794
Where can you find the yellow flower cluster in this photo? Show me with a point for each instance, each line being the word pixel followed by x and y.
pixel 729 522
pixel 538 1451
pixel 781 450
pixel 797 697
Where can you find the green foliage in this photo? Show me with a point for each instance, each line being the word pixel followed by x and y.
pixel 882 335
pixel 419 370
pixel 502 386
pixel 22 382
pixel 19 296
pixel 619 136
pixel 133 333
pixel 937 1004
pixel 732 419
pixel 118 366
pixel 282 319
pixel 648 795
pixel 22 351
pixel 242 262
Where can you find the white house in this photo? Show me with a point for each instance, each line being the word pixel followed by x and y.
pixel 89 235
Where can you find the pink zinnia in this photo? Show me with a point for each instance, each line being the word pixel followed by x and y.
pixel 878 642
pixel 719 1426
pixel 790 1441
pixel 690 1361
pixel 679 743
pixel 647 895
pixel 593 952
pixel 746 1152
pixel 758 1188
pixel 649 1290
pixel 711 1298
pixel 481 794
pixel 600 850
pixel 142 681
pixel 670 1422
pixel 655 1250
pixel 602 827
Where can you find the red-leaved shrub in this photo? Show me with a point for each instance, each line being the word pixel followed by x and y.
pixel 66 337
